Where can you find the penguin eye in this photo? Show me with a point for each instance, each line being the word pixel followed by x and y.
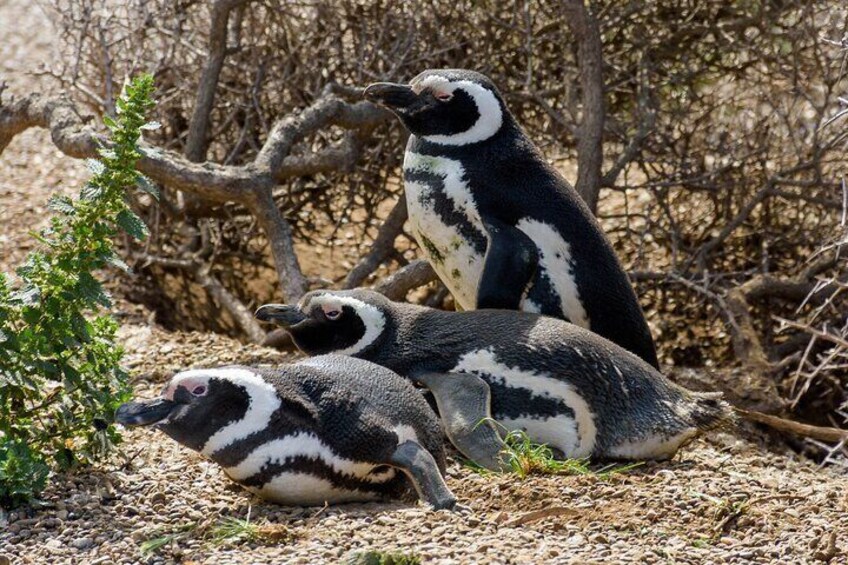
pixel 332 311
pixel 199 390
pixel 443 96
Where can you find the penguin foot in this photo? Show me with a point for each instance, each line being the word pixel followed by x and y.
pixel 464 402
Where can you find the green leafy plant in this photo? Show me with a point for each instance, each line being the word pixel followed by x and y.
pixel 60 374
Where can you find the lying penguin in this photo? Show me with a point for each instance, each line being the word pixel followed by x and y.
pixel 493 371
pixel 500 226
pixel 326 429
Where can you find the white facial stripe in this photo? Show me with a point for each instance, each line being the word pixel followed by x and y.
pixel 300 489
pixel 488 107
pixel 436 83
pixel 371 316
pixel 556 264
pixel 460 266
pixel 303 444
pixel 263 403
pixel 582 442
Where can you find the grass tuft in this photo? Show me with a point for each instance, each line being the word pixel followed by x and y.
pixel 236 530
pixel 153 545
pixel 376 557
pixel 230 530
pixel 524 458
pixel 527 458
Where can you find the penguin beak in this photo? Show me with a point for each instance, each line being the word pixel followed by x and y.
pixel 280 314
pixel 145 413
pixel 390 95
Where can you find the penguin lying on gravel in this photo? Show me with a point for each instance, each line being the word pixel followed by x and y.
pixel 326 429
pixel 500 226
pixel 565 386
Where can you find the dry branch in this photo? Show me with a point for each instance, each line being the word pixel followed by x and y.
pixel 198 131
pixel 416 274
pixel 821 433
pixel 590 155
pixel 250 185
pixel 201 273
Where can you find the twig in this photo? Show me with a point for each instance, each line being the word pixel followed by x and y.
pixel 590 155
pixel 537 515
pixel 416 274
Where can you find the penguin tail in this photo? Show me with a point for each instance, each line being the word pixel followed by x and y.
pixel 710 411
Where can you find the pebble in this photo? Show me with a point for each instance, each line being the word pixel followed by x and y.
pixel 82 543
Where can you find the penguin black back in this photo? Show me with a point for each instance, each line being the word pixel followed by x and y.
pixel 501 227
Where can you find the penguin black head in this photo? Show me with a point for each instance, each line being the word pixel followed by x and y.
pixel 196 405
pixel 343 322
pixel 445 106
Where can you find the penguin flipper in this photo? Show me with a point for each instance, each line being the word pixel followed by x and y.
pixel 464 402
pixel 510 264
pixel 422 470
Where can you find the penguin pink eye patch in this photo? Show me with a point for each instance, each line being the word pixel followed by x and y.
pixel 331 311
pixel 197 387
pixel 443 96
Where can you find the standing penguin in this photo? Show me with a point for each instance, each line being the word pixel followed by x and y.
pixel 326 429
pixel 501 227
pixel 563 385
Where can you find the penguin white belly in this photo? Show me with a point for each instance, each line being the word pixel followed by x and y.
pixel 572 431
pixel 453 257
pixel 654 446
pixel 300 488
pixel 559 432
pixel 451 253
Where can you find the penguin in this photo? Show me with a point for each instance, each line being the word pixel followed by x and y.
pixel 495 371
pixel 328 429
pixel 500 226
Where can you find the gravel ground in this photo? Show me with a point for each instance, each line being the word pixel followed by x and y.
pixel 723 500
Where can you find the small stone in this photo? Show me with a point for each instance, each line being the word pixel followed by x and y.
pixel 53 546
pixel 82 543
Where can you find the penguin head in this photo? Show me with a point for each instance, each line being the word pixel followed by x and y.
pixel 347 322
pixel 198 404
pixel 445 106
